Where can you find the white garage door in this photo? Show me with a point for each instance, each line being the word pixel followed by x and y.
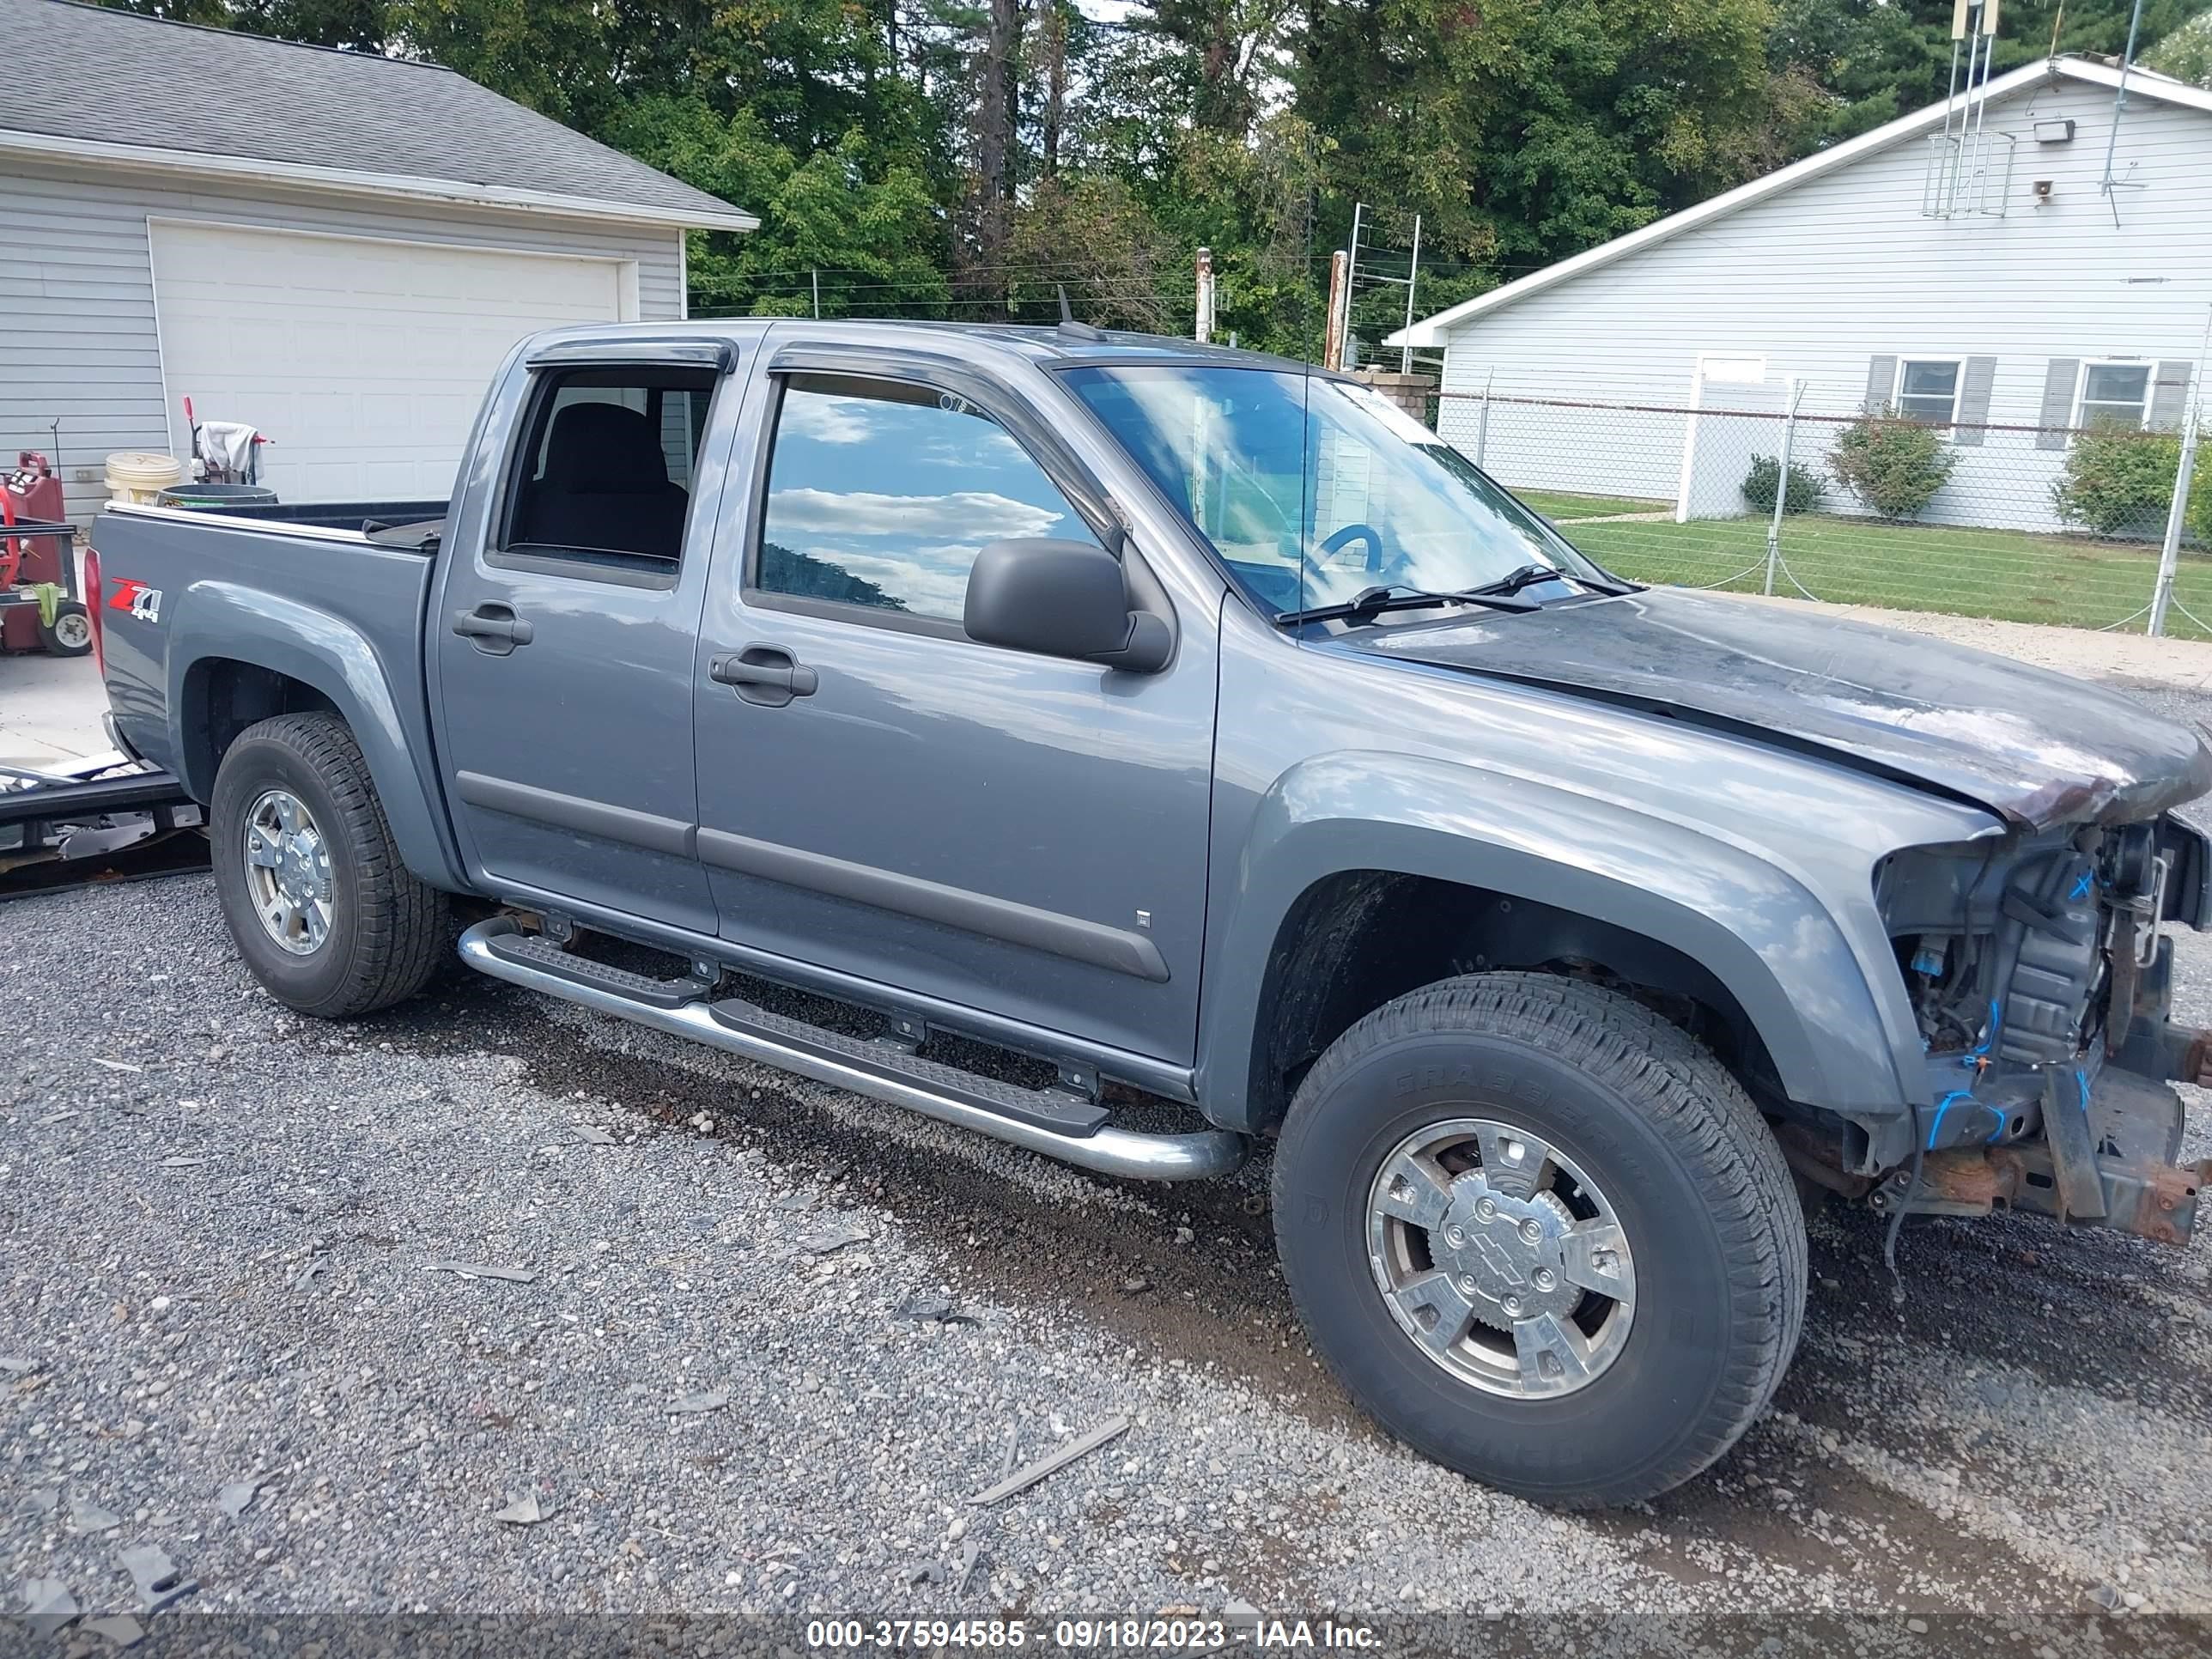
pixel 363 361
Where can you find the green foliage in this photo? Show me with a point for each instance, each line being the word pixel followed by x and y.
pixel 2186 54
pixel 2119 481
pixel 1892 464
pixel 1804 492
pixel 880 155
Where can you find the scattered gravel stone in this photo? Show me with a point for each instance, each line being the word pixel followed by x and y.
pixel 698 1405
pixel 156 1577
pixel 236 1497
pixel 47 1605
pixel 88 1516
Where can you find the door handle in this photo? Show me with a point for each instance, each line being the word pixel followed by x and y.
pixel 494 627
pixel 765 674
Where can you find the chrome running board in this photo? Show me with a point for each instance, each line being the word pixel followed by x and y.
pixel 894 1077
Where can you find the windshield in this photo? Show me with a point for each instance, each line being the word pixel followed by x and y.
pixel 1314 491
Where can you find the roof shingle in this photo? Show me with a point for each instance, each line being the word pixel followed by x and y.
pixel 83 72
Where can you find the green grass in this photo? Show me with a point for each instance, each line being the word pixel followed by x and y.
pixel 1563 508
pixel 2004 574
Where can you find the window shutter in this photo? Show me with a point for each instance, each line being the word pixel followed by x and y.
pixel 2169 396
pixel 1881 383
pixel 1974 400
pixel 2058 382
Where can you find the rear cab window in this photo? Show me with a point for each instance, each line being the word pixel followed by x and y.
pixel 601 480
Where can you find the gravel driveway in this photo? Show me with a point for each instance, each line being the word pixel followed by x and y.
pixel 763 1341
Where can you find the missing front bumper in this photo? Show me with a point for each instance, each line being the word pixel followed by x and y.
pixel 2134 1130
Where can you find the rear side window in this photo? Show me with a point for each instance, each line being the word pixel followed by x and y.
pixel 603 473
pixel 880 495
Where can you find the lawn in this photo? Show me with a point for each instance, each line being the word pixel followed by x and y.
pixel 1563 508
pixel 2005 574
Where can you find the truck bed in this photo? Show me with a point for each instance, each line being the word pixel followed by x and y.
pixel 188 594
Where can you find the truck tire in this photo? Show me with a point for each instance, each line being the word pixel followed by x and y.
pixel 1542 1235
pixel 71 633
pixel 315 894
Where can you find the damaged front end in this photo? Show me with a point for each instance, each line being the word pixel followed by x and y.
pixel 2041 984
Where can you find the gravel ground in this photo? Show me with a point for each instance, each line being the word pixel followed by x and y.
pixel 220 1227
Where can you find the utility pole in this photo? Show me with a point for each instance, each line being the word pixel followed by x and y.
pixel 1413 277
pixel 1339 299
pixel 815 273
pixel 1203 332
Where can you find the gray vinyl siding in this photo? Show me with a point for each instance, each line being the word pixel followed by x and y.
pixel 1838 279
pixel 78 343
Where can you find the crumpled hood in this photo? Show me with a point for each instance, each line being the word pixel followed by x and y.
pixel 2035 747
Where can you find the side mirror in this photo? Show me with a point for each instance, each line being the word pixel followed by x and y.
pixel 1062 598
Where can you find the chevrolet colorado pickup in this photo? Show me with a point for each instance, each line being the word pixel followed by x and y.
pixel 1195 722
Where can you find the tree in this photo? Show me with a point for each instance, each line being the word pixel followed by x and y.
pixel 2186 54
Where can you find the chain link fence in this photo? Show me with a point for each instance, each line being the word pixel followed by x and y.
pixel 2064 524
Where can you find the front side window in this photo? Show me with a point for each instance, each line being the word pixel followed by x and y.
pixel 1314 489
pixel 2114 394
pixel 881 493
pixel 1928 390
pixel 606 467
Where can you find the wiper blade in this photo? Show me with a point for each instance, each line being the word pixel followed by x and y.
pixel 1372 601
pixel 1528 575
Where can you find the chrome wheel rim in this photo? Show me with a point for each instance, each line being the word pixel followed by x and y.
pixel 288 872
pixel 1500 1259
pixel 72 629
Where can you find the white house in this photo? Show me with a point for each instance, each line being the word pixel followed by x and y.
pixel 1969 263
pixel 334 246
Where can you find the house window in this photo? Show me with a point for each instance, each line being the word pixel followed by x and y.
pixel 2113 394
pixel 1928 389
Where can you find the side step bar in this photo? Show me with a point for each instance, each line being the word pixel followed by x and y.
pixel 1050 1122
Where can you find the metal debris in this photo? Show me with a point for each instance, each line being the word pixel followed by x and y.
pixel 928 1308
pixel 47 1605
pixel 524 1511
pixel 39 1500
pixel 160 1584
pixel 1135 1286
pixel 309 1274
pixel 115 1065
pixel 1052 1462
pixel 16 1365
pixel 837 1235
pixel 697 1404
pixel 924 1572
pixel 1013 1450
pixel 969 1549
pixel 119 1628
pixel 234 1499
pixel 794 1200
pixel 478 1270
pixel 88 1516
pixel 182 1163
pixel 591 1135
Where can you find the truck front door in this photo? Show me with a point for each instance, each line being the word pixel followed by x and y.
pixel 885 798
pixel 563 644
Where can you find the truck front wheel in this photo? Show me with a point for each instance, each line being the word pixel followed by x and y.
pixel 1542 1235
pixel 313 889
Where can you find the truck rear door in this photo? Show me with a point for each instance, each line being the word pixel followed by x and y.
pixel 562 648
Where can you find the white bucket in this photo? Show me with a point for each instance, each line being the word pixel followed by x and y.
pixel 135 474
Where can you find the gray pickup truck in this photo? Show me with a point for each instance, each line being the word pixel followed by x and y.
pixel 1081 718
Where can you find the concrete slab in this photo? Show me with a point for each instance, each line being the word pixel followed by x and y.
pixel 49 708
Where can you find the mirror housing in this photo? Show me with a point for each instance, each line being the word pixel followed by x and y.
pixel 1062 598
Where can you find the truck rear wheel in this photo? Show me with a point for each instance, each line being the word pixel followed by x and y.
pixel 1542 1235
pixel 313 889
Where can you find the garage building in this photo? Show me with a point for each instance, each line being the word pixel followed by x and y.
pixel 334 247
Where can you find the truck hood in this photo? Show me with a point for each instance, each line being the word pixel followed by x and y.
pixel 2034 747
